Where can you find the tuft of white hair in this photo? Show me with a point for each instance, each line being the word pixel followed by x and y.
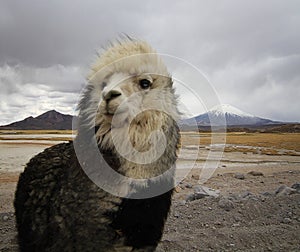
pixel 148 134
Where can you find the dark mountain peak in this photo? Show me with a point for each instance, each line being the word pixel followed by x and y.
pixel 50 113
pixel 53 116
pixel 46 121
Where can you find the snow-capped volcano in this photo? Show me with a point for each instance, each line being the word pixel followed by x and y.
pixel 226 114
pixel 224 109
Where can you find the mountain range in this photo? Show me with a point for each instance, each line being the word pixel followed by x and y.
pixel 217 116
pixel 50 120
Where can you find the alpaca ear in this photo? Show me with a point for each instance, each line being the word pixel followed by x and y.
pixel 167 81
pixel 170 81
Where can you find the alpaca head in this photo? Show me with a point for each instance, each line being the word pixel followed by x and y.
pixel 130 101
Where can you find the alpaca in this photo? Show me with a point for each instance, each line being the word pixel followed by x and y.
pixel 64 199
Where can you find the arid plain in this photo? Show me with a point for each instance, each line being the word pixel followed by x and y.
pixel 251 207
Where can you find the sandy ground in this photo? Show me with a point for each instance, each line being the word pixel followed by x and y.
pixel 246 216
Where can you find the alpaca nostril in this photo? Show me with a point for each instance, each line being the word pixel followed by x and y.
pixel 111 95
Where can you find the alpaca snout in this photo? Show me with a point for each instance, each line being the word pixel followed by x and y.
pixel 107 96
pixel 112 100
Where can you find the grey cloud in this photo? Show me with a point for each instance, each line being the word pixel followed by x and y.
pixel 62 32
pixel 266 88
pixel 57 77
pixel 212 33
pixel 248 49
pixel 28 91
pixel 15 107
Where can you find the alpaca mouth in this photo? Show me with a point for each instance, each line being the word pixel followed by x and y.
pixel 109 111
pixel 114 110
pixel 110 114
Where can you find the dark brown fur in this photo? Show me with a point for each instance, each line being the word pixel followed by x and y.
pixel 58 208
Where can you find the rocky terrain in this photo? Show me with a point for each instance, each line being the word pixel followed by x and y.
pixel 266 218
pixel 251 202
pixel 233 212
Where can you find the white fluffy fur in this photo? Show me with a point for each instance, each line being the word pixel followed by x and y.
pixel 112 60
pixel 140 121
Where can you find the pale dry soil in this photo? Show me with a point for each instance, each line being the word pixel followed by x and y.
pixel 247 216
pixel 253 218
pixel 254 222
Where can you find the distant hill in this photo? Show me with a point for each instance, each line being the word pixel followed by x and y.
pixel 50 120
pixel 236 120
pixel 233 117
pixel 284 128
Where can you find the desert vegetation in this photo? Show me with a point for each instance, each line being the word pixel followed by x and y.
pixel 288 141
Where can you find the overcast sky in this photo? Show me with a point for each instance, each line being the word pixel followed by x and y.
pixel 248 50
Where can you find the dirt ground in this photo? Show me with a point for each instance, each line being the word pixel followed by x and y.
pixel 246 213
pixel 247 216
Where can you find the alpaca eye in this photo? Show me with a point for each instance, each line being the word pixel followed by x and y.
pixel 145 84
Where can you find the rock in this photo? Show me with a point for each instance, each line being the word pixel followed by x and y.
pixel 176 215
pixel 239 176
pixel 296 186
pixel 285 190
pixel 226 204
pixel 188 185
pixel 246 194
pixel 256 173
pixel 249 195
pixel 195 176
pixel 190 197
pixel 267 194
pixel 201 192
pixel 280 188
pixel 286 220
pixel 5 218
pixel 181 202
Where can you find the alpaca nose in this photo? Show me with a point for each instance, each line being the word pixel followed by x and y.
pixel 111 95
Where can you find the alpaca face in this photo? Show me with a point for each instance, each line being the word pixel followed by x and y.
pixel 131 103
pixel 129 108
pixel 123 97
pixel 134 105
pixel 134 117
